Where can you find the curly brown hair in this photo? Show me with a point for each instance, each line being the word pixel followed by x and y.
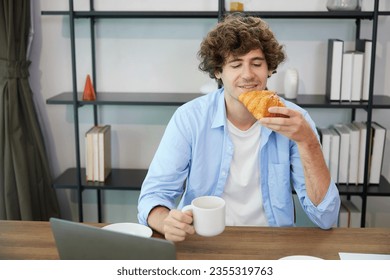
pixel 237 35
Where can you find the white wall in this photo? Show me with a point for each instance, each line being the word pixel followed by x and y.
pixel 159 55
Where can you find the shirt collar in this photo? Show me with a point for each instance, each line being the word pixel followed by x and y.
pixel 220 113
pixel 265 134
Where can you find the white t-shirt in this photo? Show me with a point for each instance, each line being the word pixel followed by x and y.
pixel 244 203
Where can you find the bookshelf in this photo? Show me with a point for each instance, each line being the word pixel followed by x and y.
pixel 131 179
pixel 119 179
pixel 122 98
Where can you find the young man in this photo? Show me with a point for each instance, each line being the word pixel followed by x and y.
pixel 214 146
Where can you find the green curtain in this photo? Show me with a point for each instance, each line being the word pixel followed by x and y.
pixel 25 180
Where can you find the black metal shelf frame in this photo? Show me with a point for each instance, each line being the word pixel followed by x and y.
pixel 122 98
pixel 131 179
pixel 177 99
pixel 136 14
pixel 215 14
pixel 73 178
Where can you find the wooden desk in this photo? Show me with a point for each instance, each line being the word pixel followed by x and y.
pixel 34 240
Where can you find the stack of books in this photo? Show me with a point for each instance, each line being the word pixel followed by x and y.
pixel 348 72
pixel 98 153
pixel 344 150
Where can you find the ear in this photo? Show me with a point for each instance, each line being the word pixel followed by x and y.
pixel 218 75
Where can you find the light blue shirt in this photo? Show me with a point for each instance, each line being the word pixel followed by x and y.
pixel 194 157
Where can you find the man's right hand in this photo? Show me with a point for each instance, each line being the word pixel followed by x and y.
pixel 177 225
pixel 174 224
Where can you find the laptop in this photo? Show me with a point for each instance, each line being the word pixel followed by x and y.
pixel 78 241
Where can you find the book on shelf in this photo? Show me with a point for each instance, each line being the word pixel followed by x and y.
pixel 90 153
pixel 98 153
pixel 334 69
pixel 95 143
pixel 378 137
pixel 357 76
pixel 346 76
pixel 354 145
pixel 326 138
pixel 348 72
pixel 88 156
pixel 362 127
pixel 334 155
pixel 365 46
pixel 104 152
pixel 344 149
pixel 344 152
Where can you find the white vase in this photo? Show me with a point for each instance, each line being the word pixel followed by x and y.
pixel 343 5
pixel 291 79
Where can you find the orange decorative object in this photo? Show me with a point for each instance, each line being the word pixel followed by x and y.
pixel 89 91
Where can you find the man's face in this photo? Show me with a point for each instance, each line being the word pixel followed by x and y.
pixel 244 73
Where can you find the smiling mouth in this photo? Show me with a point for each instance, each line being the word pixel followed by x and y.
pixel 248 87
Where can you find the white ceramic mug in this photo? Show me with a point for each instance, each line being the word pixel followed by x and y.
pixel 208 214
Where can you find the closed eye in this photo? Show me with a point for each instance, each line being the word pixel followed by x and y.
pixel 234 66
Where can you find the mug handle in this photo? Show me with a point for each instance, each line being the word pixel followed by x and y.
pixel 187 208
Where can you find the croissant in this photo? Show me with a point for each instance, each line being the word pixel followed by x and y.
pixel 258 101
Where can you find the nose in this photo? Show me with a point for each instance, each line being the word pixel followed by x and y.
pixel 247 72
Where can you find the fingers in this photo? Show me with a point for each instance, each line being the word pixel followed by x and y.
pixel 292 116
pixel 177 225
pixel 276 123
pixel 185 217
pixel 283 110
pixel 295 127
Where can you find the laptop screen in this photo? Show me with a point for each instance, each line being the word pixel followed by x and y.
pixel 78 241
